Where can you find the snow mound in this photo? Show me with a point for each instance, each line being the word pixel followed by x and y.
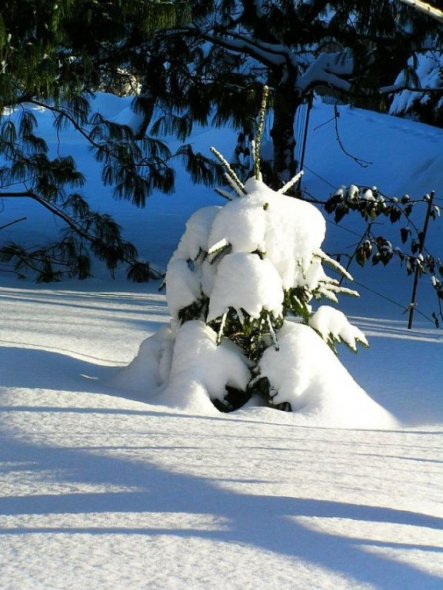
pixel 237 272
pixel 189 378
pixel 201 368
pixel 185 368
pixel 307 374
pixel 147 374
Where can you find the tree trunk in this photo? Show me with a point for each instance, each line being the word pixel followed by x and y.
pixel 285 104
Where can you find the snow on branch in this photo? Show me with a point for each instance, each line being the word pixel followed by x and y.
pixel 232 178
pixel 284 189
pixel 328 68
pixel 332 263
pixel 264 53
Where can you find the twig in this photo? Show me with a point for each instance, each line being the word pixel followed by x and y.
pixel 12 222
pixel 359 161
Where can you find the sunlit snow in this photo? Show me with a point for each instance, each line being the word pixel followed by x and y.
pixel 104 485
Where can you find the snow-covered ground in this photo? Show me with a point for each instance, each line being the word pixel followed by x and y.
pixel 102 487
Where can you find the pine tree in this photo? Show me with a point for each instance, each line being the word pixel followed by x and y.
pixel 213 68
pixel 239 273
pixel 56 55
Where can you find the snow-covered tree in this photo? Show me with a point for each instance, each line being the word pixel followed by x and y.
pixel 421 96
pixel 244 288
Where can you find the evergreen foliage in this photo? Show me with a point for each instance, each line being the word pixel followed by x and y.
pixel 211 70
pixel 218 279
pixel 55 55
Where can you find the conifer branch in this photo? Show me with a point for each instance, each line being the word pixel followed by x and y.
pixel 291 183
pixel 222 327
pixel 273 334
pixel 230 175
pixel 53 209
pixel 333 264
pixel 224 194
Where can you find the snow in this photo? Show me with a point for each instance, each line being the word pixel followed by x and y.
pixel 103 485
pixel 201 368
pixel 196 236
pixel 332 323
pixel 242 223
pixel 328 397
pixel 428 71
pixel 244 281
pixel 294 230
pixel 182 286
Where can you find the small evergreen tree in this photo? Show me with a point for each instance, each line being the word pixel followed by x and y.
pixel 248 274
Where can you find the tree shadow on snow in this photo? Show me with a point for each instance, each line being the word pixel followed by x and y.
pixel 43 369
pixel 264 522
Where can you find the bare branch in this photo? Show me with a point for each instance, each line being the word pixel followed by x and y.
pixel 13 222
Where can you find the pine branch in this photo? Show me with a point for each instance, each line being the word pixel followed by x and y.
pixel 239 44
pixel 53 209
pixel 231 176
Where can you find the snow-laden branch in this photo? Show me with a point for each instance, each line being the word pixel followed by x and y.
pixel 328 68
pixel 426 8
pixel 264 53
pixel 401 87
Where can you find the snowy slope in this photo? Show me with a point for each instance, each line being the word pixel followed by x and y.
pixel 100 489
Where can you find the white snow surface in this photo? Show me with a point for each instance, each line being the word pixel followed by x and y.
pixel 103 487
